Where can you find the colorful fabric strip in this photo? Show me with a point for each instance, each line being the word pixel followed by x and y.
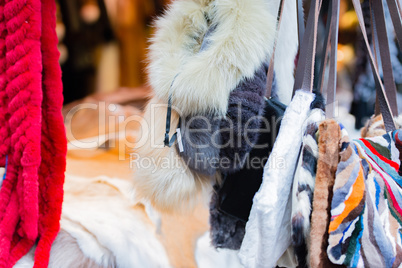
pixel 366 212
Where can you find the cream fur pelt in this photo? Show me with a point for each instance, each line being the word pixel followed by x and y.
pixel 160 174
pixel 242 41
pixel 102 227
pixel 65 253
pixel 107 228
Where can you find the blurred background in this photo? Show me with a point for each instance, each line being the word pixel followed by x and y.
pixel 103 58
pixel 103 44
pixel 103 51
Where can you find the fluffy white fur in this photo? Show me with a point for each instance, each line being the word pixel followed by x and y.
pixel 203 80
pixel 160 174
pixel 242 40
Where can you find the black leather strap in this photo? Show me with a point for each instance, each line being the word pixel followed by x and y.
pixel 394 10
pixel 384 104
pixel 325 48
pixel 383 45
pixel 331 85
pixel 305 66
pixel 300 22
pixel 168 142
pixel 331 47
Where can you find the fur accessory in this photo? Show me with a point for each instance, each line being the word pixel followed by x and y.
pixel 328 159
pixel 32 132
pixel 231 202
pixel 365 216
pixel 211 143
pixel 201 140
pixel 375 126
pixel 204 79
pixel 199 73
pixel 268 228
pixel 235 196
pixel 244 116
pixel 226 231
pixel 303 187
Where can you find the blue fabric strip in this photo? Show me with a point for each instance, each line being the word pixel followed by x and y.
pixel 4 176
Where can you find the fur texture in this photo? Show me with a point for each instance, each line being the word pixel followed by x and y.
pixel 226 231
pixel 20 50
pixel 201 141
pixel 229 138
pixel 303 187
pixel 246 105
pixel 375 126
pixel 328 159
pixel 161 175
pixel 365 205
pixel 268 232
pixel 318 102
pixel 65 253
pixel 207 256
pixel 235 196
pixel 241 42
pixel 107 228
pixel 54 141
pixel 66 245
pixel 102 227
pixel 31 129
pixel 304 181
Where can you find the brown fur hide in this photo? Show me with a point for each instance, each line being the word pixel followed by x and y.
pixel 375 126
pixel 328 160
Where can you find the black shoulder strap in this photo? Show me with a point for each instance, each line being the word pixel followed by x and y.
pixel 305 66
pixel 168 142
pixel 383 45
pixel 331 86
pixel 383 101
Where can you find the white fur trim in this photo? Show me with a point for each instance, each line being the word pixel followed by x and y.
pixel 242 40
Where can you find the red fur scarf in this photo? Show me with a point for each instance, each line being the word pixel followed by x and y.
pixel 31 130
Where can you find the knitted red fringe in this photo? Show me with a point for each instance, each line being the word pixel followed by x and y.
pixel 32 132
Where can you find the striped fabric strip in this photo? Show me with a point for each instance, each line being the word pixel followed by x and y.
pixel 366 212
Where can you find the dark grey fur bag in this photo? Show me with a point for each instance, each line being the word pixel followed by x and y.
pixel 212 144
